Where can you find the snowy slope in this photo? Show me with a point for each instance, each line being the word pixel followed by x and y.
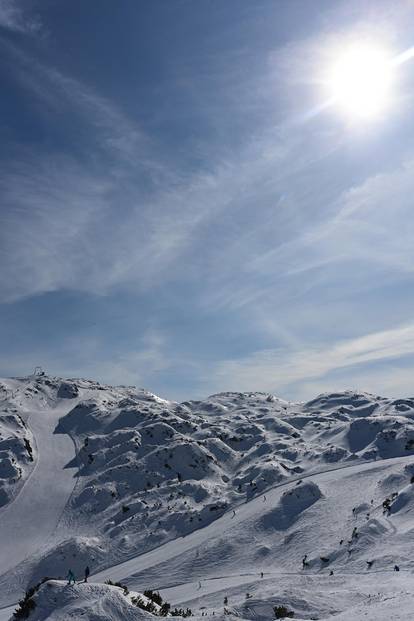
pixel 153 470
pixel 16 445
pixel 197 499
pixel 272 537
pixel 54 600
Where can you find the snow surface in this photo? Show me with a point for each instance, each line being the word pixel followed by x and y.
pixel 16 446
pixel 56 600
pixel 198 499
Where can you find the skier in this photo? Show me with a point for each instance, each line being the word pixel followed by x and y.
pixel 261 574
pixel 264 498
pixel 304 561
pixel 87 572
pixel 71 577
pixel 199 584
pixel 234 514
pixel 396 568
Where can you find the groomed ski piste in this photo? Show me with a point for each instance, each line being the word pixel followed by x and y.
pixel 242 505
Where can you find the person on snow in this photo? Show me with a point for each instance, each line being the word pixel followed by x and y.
pixel 396 568
pixel 87 572
pixel 71 577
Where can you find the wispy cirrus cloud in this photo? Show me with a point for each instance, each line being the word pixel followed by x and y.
pixel 272 220
pixel 389 378
pixel 86 357
pixel 121 229
pixel 14 17
pixel 151 232
pixel 279 370
pixel 361 227
pixel 50 209
pixel 59 94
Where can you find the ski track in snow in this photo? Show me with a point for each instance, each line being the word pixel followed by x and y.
pixel 28 522
pixel 5 613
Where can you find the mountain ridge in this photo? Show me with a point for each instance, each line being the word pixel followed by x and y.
pixel 139 473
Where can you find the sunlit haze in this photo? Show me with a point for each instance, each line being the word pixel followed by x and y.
pixel 208 196
pixel 361 81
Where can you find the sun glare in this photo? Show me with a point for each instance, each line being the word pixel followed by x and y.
pixel 360 82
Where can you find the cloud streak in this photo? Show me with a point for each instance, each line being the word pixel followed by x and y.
pixel 14 18
pixel 78 225
pixel 268 230
pixel 362 227
pixel 278 369
pixel 85 357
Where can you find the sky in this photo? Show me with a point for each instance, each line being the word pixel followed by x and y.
pixel 183 208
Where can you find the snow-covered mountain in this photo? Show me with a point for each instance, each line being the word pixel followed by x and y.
pixel 233 505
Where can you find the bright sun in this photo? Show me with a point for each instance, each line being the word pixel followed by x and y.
pixel 360 82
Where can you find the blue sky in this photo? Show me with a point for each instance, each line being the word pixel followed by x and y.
pixel 179 210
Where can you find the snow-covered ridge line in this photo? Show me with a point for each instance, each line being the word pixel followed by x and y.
pixel 119 473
